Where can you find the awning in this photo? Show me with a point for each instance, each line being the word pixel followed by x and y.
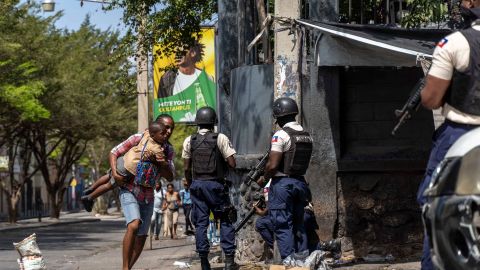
pixel 372 45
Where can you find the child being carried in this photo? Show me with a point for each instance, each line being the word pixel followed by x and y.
pixel 142 164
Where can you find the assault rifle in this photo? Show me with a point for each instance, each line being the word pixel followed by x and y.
pixel 260 203
pixel 252 177
pixel 255 173
pixel 410 107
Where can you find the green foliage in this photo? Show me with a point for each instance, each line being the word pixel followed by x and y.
pixel 423 12
pixel 173 24
pixel 181 132
pixel 61 90
pixel 19 83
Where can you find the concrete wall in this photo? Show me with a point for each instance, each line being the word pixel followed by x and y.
pixel 363 180
pixel 319 119
pixel 369 97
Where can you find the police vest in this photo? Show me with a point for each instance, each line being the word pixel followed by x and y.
pixel 207 160
pixel 464 93
pixel 295 161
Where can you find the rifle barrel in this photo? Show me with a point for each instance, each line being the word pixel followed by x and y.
pixel 245 219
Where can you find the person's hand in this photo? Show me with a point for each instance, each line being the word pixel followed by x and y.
pixel 259 211
pixel 261 181
pixel 120 180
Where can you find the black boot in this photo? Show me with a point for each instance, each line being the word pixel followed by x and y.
pixel 204 262
pixel 87 203
pixel 230 262
pixel 87 191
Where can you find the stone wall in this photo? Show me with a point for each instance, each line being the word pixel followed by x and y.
pixel 378 214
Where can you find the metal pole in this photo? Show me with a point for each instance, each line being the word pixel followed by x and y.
pixel 387 11
pixel 349 10
pixel 142 77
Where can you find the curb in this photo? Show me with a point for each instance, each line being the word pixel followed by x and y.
pixel 33 226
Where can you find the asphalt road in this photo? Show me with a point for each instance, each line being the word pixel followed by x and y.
pixel 97 245
pixel 92 245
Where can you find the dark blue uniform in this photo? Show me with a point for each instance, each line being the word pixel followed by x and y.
pixel 286 201
pixel 443 138
pixel 264 227
pixel 210 195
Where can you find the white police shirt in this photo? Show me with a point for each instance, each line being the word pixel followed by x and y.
pixel 453 53
pixel 281 141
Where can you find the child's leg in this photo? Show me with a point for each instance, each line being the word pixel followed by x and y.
pixel 100 181
pixel 100 190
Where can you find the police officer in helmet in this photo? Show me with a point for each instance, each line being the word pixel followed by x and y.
pixel 207 156
pixel 453 83
pixel 290 154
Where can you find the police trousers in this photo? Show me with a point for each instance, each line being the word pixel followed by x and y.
pixel 443 138
pixel 211 195
pixel 287 198
pixel 264 226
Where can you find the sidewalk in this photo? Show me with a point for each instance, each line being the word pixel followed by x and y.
pixel 65 218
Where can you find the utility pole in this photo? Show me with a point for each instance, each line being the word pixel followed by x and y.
pixel 287 79
pixel 142 75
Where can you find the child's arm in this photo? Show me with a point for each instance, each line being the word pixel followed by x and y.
pixel 113 165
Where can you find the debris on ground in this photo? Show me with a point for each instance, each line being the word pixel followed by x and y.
pixel 375 258
pixel 215 259
pixel 314 261
pixel 182 265
pixel 30 256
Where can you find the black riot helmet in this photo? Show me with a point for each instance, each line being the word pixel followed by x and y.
pixel 284 106
pixel 206 116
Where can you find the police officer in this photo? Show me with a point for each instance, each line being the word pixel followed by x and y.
pixel 290 153
pixel 456 68
pixel 206 156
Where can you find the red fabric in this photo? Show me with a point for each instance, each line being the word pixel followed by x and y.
pixel 143 194
pixel 126 145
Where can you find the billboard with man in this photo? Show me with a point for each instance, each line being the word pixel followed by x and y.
pixel 185 82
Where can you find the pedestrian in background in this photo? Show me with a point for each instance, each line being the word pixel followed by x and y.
pixel 39 207
pixel 157 209
pixel 187 206
pixel 172 204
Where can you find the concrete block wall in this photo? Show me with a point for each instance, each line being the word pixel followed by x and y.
pixel 368 99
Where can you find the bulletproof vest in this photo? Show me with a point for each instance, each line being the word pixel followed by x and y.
pixel 295 161
pixel 207 161
pixel 464 93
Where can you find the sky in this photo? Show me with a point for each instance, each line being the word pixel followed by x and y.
pixel 74 15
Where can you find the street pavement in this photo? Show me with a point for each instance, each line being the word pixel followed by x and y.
pixel 92 245
pixel 96 244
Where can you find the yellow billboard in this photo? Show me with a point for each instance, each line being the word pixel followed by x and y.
pixel 185 82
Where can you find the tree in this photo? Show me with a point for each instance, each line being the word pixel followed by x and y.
pixel 173 24
pixel 423 12
pixel 20 88
pixel 83 100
